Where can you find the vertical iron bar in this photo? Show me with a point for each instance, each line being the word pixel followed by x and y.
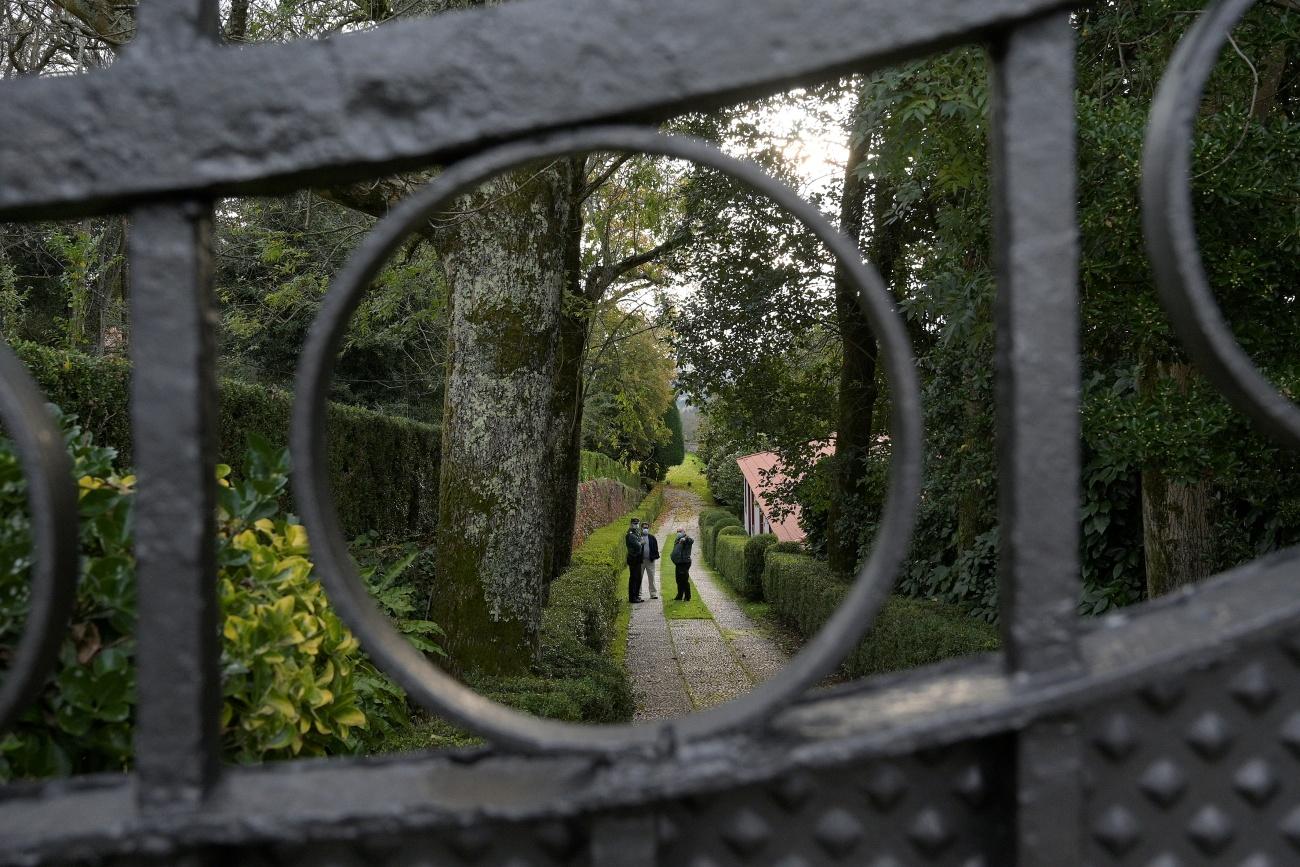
pixel 1037 343
pixel 173 419
pixel 173 414
pixel 1038 384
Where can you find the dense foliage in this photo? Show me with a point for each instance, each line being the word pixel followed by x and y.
pixel 906 632
pixel 1175 485
pixel 294 680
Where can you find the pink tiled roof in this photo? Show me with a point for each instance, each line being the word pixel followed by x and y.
pixel 758 472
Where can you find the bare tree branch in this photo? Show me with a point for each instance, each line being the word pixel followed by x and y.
pixel 600 279
pixel 598 181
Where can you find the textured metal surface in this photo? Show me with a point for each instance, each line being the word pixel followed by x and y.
pixel 1200 769
pixel 173 402
pixel 1166 734
pixel 939 806
pixel 275 116
pixel 440 692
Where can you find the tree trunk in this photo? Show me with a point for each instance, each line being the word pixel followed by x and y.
pixel 858 391
pixel 575 324
pixel 506 267
pixel 1177 533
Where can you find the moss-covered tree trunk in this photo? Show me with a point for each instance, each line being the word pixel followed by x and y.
pixel 1177 532
pixel 505 261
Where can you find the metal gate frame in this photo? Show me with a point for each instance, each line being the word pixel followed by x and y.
pixel 1167 734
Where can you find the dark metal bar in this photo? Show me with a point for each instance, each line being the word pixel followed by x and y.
pixel 1038 343
pixel 1049 798
pixel 173 415
pixel 173 419
pixel 174 25
pixel 273 117
pixel 1038 412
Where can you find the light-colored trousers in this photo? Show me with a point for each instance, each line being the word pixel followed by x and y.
pixel 649 568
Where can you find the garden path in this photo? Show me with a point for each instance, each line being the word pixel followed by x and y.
pixel 679 665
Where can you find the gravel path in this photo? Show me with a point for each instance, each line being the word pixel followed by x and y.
pixel 682 665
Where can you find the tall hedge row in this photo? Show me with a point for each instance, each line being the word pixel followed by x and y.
pixel 383 468
pixel 595 465
pixel 906 633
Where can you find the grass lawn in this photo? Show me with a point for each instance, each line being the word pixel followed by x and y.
pixel 693 610
pixel 673 610
pixel 690 475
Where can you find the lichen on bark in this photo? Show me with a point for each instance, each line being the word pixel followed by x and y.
pixel 505 263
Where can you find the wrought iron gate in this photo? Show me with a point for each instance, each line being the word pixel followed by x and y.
pixel 1167 735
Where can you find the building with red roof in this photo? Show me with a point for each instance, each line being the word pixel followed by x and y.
pixel 763 473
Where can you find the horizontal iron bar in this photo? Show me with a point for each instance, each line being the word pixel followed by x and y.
pixel 272 117
pixel 888 715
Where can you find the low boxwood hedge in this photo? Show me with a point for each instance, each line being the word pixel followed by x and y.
pixel 739 559
pixel 907 632
pixel 711 522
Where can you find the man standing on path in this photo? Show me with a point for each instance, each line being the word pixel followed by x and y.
pixel 633 540
pixel 681 557
pixel 650 558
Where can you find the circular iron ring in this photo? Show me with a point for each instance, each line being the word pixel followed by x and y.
pixel 1170 229
pixel 439 692
pixel 52 500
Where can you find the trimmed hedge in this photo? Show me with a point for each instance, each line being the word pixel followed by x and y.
pixel 595 465
pixel 739 559
pixel 908 632
pixel 711 522
pixel 383 468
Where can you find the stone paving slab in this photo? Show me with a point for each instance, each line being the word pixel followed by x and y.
pixel 712 672
pixel 760 656
pixel 657 684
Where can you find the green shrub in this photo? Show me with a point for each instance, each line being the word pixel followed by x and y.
pixel 726 482
pixel 294 681
pixel 595 465
pixel 711 521
pixel 740 560
pixel 789 548
pixel 906 633
pixel 383 469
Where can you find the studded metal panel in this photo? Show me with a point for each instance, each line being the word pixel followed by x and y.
pixel 1202 769
pixel 939 806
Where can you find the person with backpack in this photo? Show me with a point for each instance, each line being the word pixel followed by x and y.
pixel 681 557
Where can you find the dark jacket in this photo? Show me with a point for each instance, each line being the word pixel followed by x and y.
pixel 633 540
pixel 652 548
pixel 682 550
